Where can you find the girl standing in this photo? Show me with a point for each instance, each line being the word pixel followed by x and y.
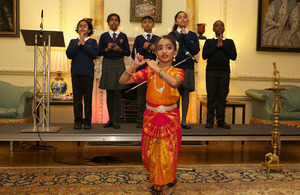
pixel 113 45
pixel 82 51
pixel 188 41
pixel 161 137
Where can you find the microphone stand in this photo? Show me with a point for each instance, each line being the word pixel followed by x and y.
pixel 146 81
pixel 41 25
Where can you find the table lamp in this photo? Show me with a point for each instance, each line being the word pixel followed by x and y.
pixel 59 63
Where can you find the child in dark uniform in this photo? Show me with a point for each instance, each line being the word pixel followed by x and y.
pixel 188 41
pixel 218 52
pixel 82 51
pixel 113 45
pixel 144 45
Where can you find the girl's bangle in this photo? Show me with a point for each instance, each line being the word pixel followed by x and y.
pixel 161 73
pixel 127 73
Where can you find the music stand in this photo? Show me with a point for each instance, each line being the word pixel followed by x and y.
pixel 42 42
pixel 57 38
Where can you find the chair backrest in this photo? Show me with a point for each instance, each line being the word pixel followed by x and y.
pixel 10 95
pixel 290 98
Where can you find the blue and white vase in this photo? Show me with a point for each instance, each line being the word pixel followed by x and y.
pixel 58 87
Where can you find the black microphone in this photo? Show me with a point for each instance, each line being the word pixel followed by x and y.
pixel 188 54
pixel 41 25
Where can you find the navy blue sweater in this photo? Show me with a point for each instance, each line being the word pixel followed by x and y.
pixel 138 45
pixel 187 42
pixel 82 57
pixel 218 57
pixel 121 41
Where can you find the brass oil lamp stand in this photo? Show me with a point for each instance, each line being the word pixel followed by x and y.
pixel 272 159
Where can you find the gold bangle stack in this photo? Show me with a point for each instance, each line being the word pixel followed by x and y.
pixel 161 73
pixel 128 74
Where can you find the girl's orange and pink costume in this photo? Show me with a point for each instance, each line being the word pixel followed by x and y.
pixel 161 137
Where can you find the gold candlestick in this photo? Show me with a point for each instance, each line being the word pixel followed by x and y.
pixel 272 159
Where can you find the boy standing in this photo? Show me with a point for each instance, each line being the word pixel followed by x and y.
pixel 144 45
pixel 218 52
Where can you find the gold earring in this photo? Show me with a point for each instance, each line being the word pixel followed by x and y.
pixel 174 60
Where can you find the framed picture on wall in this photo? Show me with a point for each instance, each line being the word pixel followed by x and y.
pixel 278 25
pixel 9 18
pixel 141 8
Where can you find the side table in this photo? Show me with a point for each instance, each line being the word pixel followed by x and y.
pixel 232 105
pixel 55 102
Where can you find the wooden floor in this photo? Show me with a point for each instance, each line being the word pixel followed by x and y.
pixel 252 152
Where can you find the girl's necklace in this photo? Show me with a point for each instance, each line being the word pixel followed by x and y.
pixel 160 90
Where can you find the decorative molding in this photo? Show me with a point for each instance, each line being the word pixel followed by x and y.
pixel 190 10
pixel 266 78
pixel 61 15
pixel 98 62
pixel 4 71
pixel 99 14
pixel 24 72
pixel 225 11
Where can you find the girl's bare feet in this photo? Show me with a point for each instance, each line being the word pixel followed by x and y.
pixel 155 191
pixel 169 190
pixel 170 187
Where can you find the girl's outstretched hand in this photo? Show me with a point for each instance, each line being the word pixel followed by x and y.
pixel 138 60
pixel 152 64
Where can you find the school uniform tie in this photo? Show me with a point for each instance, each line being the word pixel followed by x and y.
pixel 114 36
pixel 148 37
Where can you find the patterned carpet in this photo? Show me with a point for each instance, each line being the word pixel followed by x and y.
pixel 201 179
